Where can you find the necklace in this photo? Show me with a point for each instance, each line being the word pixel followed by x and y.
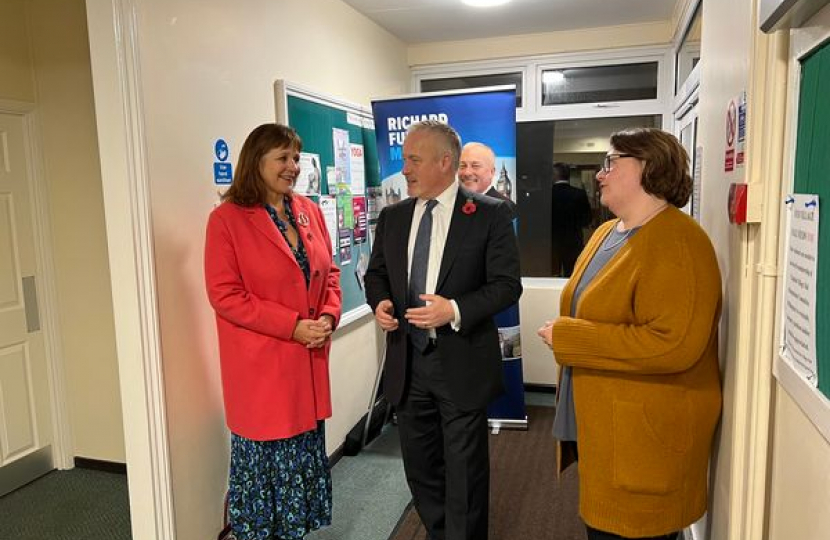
pixel 619 241
pixel 628 233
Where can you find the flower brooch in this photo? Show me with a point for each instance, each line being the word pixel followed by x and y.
pixel 469 207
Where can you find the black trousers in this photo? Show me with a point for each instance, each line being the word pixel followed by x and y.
pixel 445 455
pixel 594 534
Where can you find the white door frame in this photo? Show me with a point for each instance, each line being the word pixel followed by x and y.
pixel 63 451
pixel 119 110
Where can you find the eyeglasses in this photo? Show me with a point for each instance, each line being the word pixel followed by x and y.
pixel 610 159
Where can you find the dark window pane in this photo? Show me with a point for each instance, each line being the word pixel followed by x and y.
pixel 598 84
pixel 553 225
pixel 475 81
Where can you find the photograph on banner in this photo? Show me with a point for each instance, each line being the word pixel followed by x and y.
pixel 360 219
pixel 310 178
pixel 510 342
pixel 798 328
pixel 357 176
pixel 328 205
pixel 485 115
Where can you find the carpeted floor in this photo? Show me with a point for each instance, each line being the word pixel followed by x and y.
pixel 68 505
pixel 526 500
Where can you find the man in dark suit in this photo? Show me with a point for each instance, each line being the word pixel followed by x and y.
pixel 570 211
pixel 476 169
pixel 443 263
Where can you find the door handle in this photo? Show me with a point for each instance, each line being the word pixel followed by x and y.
pixel 30 304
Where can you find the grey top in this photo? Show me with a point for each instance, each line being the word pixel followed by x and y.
pixel 564 423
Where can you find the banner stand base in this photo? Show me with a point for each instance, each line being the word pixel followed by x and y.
pixel 497 424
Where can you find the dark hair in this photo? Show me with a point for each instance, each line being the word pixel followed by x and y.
pixel 449 141
pixel 248 188
pixel 666 169
pixel 561 171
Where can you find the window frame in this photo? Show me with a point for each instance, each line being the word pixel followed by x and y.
pixel 532 67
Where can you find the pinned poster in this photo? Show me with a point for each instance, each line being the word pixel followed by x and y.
pixel 345 247
pixel 309 181
pixel 360 219
pixel 798 329
pixel 342 158
pixel 328 205
pixel 357 175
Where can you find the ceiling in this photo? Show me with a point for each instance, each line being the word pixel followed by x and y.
pixel 423 21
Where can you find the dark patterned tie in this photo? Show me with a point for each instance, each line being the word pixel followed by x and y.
pixel 418 273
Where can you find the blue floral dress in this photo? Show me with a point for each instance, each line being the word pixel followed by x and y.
pixel 280 489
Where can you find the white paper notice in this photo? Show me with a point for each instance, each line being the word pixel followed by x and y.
pixel 328 205
pixel 309 180
pixel 798 340
pixel 357 170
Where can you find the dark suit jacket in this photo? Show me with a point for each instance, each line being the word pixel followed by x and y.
pixel 493 192
pixel 479 270
pixel 570 211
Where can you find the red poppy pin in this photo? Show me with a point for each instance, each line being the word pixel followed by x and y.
pixel 469 207
pixel 302 219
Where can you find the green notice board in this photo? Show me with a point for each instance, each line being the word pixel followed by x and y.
pixel 812 175
pixel 324 124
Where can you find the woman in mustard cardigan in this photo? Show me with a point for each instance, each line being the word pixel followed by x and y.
pixel 637 341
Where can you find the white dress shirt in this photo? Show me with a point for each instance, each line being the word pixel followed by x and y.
pixel 441 218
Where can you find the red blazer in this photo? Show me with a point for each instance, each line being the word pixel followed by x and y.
pixel 273 387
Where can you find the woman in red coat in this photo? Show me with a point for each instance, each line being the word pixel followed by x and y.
pixel 271 280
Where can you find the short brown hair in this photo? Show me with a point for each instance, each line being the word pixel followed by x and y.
pixel 666 169
pixel 448 139
pixel 248 188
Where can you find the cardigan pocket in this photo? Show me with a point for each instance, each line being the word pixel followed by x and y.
pixel 642 462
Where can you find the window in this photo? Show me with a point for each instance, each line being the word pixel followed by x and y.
pixel 688 54
pixel 475 81
pixel 597 84
pixel 552 225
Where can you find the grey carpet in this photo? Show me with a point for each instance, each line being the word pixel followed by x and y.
pixel 527 502
pixel 68 505
pixel 370 492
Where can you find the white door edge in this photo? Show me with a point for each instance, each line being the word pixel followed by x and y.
pixel 119 111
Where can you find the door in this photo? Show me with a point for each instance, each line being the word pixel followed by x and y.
pixel 25 419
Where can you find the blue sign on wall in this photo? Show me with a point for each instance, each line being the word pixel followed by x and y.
pixel 222 169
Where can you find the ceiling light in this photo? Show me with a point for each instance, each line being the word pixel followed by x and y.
pixel 553 77
pixel 485 3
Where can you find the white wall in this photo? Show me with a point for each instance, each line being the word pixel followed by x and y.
pixel 588 39
pixel 726 53
pixel 207 71
pixel 44 59
pixel 16 82
pixel 800 479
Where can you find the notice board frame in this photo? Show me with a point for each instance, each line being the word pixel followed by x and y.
pixel 814 402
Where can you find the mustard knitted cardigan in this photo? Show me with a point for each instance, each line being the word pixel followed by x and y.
pixel 646 383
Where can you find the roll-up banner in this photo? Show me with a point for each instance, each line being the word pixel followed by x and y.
pixel 485 115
